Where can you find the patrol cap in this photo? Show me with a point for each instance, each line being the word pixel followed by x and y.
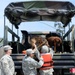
pixel 7 47
pixel 29 51
pixel 44 49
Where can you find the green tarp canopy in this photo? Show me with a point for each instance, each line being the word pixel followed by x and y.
pixel 18 12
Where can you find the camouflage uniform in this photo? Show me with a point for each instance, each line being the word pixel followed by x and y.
pixel 29 65
pixel 7 65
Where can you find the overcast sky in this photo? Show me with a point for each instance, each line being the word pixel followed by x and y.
pixel 43 26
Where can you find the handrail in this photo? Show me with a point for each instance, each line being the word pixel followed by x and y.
pixel 7 29
pixel 68 32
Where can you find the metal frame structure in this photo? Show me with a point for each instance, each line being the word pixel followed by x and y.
pixel 6 30
pixel 68 32
pixel 72 29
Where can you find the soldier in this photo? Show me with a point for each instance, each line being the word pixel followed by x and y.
pixel 30 65
pixel 7 64
pixel 47 54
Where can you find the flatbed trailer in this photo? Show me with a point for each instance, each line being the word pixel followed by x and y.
pixel 62 63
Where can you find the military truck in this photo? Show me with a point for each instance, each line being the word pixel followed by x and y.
pixel 17 12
